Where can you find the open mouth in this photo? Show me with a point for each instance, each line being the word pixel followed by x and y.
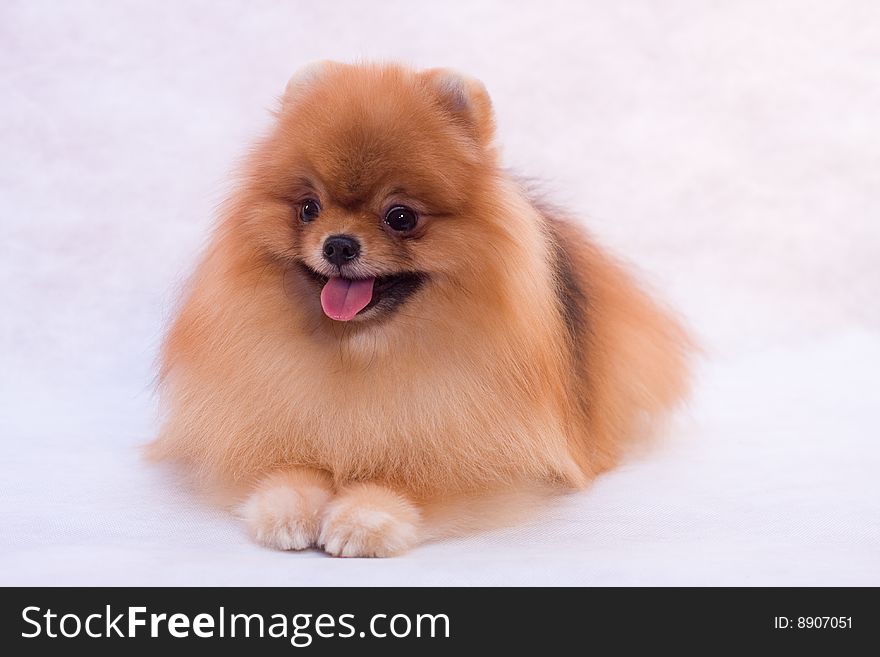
pixel 343 299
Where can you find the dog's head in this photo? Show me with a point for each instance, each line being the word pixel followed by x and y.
pixel 372 188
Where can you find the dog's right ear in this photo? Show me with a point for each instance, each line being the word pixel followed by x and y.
pixel 303 79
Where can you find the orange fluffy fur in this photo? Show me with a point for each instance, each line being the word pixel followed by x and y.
pixel 528 359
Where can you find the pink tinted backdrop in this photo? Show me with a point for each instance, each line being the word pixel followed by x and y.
pixel 731 150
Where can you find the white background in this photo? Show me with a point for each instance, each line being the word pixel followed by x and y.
pixel 731 150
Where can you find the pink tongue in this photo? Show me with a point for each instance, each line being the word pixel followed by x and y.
pixel 343 298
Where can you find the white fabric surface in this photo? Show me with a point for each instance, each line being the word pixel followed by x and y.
pixel 732 150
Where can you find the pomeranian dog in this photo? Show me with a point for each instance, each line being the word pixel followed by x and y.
pixel 385 329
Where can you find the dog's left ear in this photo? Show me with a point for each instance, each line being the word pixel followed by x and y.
pixel 466 99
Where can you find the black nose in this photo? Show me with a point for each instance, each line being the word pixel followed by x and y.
pixel 340 249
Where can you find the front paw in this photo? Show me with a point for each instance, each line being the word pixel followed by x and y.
pixel 284 512
pixel 368 520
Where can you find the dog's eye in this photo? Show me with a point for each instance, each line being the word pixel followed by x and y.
pixel 309 210
pixel 401 218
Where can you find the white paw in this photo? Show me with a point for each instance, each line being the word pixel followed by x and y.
pixel 358 527
pixel 284 517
